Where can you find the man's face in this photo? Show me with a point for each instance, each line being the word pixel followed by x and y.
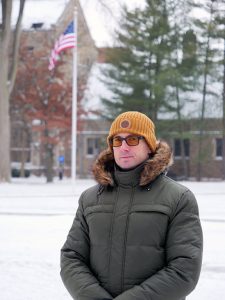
pixel 128 157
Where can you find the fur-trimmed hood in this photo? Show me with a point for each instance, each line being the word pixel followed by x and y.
pixel 103 167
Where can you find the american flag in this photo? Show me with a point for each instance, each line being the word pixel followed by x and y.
pixel 65 41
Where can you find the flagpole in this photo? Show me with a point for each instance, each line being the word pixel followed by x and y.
pixel 74 105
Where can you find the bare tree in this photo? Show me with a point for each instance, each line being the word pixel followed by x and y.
pixel 221 23
pixel 206 69
pixel 9 45
pixel 223 120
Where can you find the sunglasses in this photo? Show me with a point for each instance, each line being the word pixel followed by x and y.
pixel 131 140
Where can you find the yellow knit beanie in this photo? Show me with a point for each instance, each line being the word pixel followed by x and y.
pixel 135 123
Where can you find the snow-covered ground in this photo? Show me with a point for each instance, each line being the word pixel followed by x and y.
pixel 35 218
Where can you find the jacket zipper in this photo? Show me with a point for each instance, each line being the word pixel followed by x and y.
pixel 111 233
pixel 125 239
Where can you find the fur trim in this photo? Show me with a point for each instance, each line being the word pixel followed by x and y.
pixel 103 167
pixel 158 164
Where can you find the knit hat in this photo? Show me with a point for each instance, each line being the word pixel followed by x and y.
pixel 135 123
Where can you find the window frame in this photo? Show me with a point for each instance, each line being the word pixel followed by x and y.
pixel 95 146
pixel 218 157
pixel 186 148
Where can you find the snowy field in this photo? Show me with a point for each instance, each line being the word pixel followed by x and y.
pixel 35 218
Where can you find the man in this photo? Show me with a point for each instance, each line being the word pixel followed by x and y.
pixel 136 234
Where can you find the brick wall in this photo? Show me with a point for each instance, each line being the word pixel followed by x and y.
pixel 42 41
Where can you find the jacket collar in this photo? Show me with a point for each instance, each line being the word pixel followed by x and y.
pixel 129 177
pixel 103 168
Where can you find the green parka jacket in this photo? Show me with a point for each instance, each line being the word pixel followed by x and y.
pixel 136 235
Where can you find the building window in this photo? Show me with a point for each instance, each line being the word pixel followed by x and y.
pixel 38 25
pixel 93 146
pixel 177 147
pixel 219 148
pixel 20 155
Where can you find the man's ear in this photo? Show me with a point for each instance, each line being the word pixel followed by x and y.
pixel 150 155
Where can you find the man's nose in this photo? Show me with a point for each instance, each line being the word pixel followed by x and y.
pixel 124 146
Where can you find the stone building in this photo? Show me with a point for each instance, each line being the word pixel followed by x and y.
pixel 37 41
pixel 93 139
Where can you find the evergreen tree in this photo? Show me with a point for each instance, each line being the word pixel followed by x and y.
pixel 207 63
pixel 182 65
pixel 192 68
pixel 220 35
pixel 138 73
pixel 182 72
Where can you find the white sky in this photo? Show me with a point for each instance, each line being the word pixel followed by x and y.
pixel 100 21
pixel 46 11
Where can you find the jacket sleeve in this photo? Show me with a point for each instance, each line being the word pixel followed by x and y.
pixel 75 272
pixel 183 257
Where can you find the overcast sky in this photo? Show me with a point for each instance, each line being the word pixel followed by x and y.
pixel 101 21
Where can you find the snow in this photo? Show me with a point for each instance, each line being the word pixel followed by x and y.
pixel 35 219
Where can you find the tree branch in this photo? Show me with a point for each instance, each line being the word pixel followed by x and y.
pixel 6 22
pixel 15 47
